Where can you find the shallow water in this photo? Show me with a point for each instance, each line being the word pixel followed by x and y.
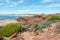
pixel 2 17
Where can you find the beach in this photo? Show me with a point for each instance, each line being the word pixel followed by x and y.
pixel 6 21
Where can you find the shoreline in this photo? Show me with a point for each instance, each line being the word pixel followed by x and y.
pixel 6 21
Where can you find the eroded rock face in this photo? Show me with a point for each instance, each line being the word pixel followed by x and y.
pixel 42 36
pixel 32 19
pixel 47 35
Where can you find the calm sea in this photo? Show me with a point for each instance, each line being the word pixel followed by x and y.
pixel 2 17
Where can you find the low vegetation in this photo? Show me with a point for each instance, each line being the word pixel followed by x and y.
pixel 54 18
pixel 40 26
pixel 9 29
pixel 58 29
pixel 33 26
pixel 45 23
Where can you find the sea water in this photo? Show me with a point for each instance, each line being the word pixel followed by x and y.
pixel 2 17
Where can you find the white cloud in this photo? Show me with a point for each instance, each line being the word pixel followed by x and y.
pixel 21 1
pixel 21 11
pixel 54 5
pixel 8 1
pixel 14 3
pixel 47 0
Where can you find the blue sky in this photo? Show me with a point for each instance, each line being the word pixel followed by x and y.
pixel 29 6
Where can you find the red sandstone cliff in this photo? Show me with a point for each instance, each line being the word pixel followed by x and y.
pixel 32 19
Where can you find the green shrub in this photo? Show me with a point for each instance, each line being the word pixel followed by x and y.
pixel 44 24
pixel 54 17
pixel 39 27
pixel 9 29
pixel 33 26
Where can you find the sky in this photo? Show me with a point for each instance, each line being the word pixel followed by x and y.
pixel 29 6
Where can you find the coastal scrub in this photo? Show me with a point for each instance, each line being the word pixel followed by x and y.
pixel 10 29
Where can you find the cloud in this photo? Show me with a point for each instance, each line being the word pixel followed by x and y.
pixel 21 11
pixel 8 1
pixel 47 0
pixel 11 5
pixel 14 3
pixel 21 1
pixel 54 5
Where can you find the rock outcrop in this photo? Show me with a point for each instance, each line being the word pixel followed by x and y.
pixel 28 20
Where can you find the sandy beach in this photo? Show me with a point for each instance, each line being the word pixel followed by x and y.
pixel 6 21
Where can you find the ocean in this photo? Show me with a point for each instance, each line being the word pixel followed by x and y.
pixel 2 17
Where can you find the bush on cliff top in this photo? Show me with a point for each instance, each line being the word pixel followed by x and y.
pixel 9 29
pixel 54 18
